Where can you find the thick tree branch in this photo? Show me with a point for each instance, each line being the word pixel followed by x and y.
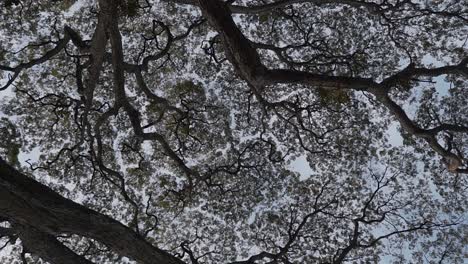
pixel 257 9
pixel 122 101
pixel 98 53
pixel 452 160
pixel 16 70
pixel 27 202
pixel 246 60
pixel 47 246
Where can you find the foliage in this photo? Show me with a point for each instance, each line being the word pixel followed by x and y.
pixel 275 132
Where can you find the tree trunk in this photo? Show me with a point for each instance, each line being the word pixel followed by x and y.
pixel 44 213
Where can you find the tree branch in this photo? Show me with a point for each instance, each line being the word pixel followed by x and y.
pixel 47 246
pixel 30 203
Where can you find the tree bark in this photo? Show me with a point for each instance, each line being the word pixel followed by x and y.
pixel 246 60
pixel 47 246
pixel 28 203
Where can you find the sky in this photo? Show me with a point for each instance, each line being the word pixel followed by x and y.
pixel 299 165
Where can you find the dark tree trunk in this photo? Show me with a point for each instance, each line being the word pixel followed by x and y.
pixel 39 213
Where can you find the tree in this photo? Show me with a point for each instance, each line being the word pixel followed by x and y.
pixel 170 131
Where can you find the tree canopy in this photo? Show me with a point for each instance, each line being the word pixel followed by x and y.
pixel 240 132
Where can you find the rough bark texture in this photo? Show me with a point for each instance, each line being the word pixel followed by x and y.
pixel 44 213
pixel 47 246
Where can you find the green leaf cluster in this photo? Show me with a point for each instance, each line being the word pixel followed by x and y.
pixel 333 96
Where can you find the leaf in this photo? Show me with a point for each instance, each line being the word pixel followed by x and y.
pixel 334 96
pixel 55 73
